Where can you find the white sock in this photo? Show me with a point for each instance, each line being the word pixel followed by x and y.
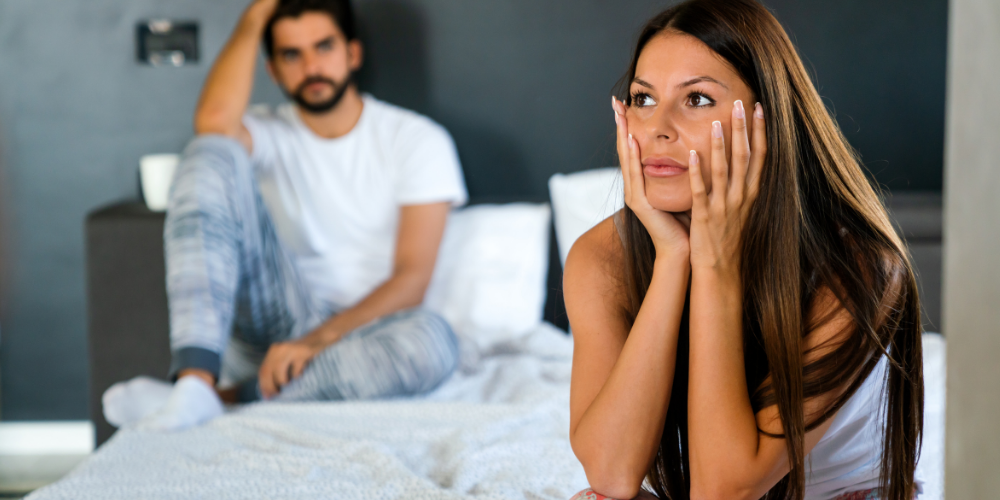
pixel 191 402
pixel 128 402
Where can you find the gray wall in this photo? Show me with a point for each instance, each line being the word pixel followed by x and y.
pixel 523 86
pixel 77 112
pixel 972 252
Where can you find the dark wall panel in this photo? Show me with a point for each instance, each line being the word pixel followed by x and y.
pixel 880 66
pixel 523 86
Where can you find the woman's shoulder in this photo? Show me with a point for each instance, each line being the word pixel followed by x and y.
pixel 598 249
pixel 592 274
pixel 592 284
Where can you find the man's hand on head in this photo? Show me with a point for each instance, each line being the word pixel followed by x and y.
pixel 263 8
pixel 285 361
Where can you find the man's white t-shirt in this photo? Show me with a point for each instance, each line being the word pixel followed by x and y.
pixel 335 202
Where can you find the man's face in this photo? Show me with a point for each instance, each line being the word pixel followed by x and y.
pixel 313 62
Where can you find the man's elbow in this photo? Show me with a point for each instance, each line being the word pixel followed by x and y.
pixel 414 285
pixel 207 121
pixel 416 298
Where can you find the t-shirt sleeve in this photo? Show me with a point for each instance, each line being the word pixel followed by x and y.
pixel 429 170
pixel 263 130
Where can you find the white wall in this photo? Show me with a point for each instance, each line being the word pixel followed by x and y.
pixel 972 251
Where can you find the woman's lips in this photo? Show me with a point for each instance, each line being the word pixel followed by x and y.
pixel 662 167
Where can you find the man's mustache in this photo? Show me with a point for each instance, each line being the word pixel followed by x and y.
pixel 314 79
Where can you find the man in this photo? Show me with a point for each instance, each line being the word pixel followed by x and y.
pixel 300 242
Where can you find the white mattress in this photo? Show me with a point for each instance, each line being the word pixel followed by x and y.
pixel 497 429
pixel 930 466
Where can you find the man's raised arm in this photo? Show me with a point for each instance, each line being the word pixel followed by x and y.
pixel 227 89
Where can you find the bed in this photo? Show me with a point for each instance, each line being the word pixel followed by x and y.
pixel 498 428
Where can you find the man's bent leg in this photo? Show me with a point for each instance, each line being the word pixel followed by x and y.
pixel 224 264
pixel 225 268
pixel 409 352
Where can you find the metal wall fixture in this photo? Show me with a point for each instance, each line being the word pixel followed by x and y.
pixel 164 42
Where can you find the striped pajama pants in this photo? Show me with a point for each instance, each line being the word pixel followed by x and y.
pixel 233 291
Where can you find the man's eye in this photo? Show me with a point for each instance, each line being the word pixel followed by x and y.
pixel 289 56
pixel 325 46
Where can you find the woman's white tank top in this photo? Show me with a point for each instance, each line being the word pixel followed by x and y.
pixel 849 455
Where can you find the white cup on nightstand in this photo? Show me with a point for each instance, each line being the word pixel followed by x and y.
pixel 156 172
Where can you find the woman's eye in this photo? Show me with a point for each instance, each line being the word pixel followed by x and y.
pixel 643 100
pixel 699 100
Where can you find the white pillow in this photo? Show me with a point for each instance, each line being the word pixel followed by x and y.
pixel 580 200
pixel 489 282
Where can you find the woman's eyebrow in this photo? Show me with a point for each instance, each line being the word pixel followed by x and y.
pixel 702 79
pixel 690 82
pixel 642 82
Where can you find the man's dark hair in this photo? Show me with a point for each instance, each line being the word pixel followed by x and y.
pixel 338 10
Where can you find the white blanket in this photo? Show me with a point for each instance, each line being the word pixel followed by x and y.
pixel 498 429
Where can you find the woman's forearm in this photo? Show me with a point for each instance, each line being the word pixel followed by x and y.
pixel 619 433
pixel 722 429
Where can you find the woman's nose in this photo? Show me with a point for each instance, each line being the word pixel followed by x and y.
pixel 660 126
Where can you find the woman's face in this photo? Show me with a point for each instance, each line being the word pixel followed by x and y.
pixel 680 87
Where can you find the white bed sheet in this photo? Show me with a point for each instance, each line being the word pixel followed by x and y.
pixel 930 465
pixel 498 429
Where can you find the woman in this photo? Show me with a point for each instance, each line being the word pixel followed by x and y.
pixel 737 322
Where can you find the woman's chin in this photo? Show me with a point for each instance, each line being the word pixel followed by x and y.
pixel 670 202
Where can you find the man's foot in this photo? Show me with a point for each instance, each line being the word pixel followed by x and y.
pixel 191 402
pixel 126 403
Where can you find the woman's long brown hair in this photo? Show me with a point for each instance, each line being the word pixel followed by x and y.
pixel 817 224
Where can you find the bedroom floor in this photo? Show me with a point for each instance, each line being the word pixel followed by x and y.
pixel 22 474
pixel 34 454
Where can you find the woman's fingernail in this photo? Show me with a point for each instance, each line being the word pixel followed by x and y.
pixel 630 140
pixel 693 158
pixel 717 129
pixel 740 112
pixel 614 105
pixel 758 110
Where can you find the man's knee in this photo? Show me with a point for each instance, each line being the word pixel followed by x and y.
pixel 210 158
pixel 406 353
pixel 438 333
pixel 207 179
pixel 215 144
pixel 429 342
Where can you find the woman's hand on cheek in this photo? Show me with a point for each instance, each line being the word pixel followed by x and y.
pixel 718 217
pixel 668 234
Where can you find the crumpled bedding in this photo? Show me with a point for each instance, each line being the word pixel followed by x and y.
pixel 497 429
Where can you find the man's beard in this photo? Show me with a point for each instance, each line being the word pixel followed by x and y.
pixel 318 108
